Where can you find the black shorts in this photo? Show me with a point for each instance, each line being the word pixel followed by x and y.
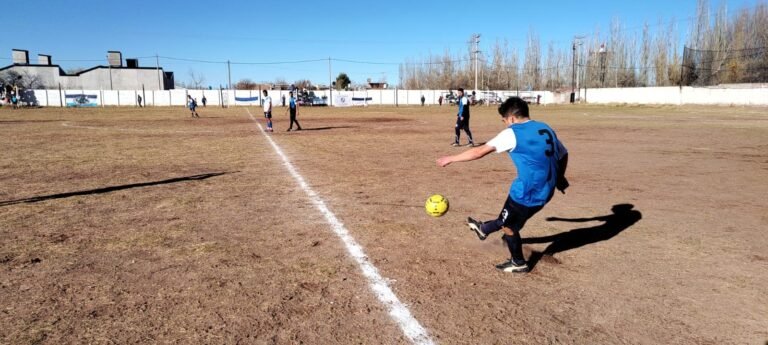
pixel 514 215
pixel 462 123
pixel 292 112
pixel 267 114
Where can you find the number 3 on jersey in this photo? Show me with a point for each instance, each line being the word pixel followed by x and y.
pixel 550 141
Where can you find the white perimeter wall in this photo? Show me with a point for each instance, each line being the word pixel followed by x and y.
pixel 56 98
pixel 756 94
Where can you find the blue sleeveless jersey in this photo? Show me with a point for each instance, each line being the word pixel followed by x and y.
pixel 292 103
pixel 535 157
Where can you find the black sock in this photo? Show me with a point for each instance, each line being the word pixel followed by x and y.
pixel 492 226
pixel 515 246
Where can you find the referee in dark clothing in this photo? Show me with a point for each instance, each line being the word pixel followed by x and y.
pixel 293 108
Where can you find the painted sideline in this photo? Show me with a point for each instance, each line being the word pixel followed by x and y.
pixel 378 284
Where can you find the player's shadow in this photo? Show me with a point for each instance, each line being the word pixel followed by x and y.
pixel 623 217
pixel 326 128
pixel 109 189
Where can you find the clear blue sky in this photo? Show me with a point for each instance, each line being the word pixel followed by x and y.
pixel 264 31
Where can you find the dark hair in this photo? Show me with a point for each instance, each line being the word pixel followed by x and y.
pixel 265 92
pixel 514 105
pixel 461 89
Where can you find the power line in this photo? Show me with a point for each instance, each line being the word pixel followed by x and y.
pixel 279 62
pixel 401 63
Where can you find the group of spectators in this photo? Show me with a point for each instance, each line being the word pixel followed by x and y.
pixel 9 95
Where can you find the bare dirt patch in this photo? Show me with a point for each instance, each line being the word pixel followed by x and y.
pixel 110 236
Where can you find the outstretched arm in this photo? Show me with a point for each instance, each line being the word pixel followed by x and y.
pixel 466 156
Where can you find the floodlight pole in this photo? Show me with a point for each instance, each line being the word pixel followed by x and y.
pixel 475 50
pixel 573 78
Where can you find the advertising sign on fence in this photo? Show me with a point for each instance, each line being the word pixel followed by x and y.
pixel 82 100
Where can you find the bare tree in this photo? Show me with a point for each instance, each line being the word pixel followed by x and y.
pixel 196 80
pixel 246 84
pixel 532 65
pixel 280 83
pixel 303 84
pixel 24 80
pixel 730 49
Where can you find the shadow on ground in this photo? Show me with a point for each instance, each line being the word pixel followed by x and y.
pixel 326 128
pixel 110 189
pixel 623 217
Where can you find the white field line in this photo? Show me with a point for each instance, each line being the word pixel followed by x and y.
pixel 67 124
pixel 397 310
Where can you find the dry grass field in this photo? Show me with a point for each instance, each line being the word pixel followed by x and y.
pixel 144 226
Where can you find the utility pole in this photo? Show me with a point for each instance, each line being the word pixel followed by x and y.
pixel 229 75
pixel 330 86
pixel 159 80
pixel 110 73
pixel 576 40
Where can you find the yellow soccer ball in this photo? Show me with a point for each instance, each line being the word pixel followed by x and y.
pixel 436 206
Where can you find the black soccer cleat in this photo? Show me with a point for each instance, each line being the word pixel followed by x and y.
pixel 511 267
pixel 455 145
pixel 477 228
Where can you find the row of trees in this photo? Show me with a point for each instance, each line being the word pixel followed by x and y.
pixel 651 55
pixel 342 82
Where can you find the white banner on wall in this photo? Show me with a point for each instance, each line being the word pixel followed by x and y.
pixel 342 100
pixel 81 100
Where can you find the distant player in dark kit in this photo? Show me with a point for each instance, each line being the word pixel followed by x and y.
pixel 205 101
pixel 540 159
pixel 192 106
pixel 138 100
pixel 293 109
pixel 462 119
pixel 268 110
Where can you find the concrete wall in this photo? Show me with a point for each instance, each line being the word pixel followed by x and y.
pixel 750 95
pixel 122 79
pixel 99 78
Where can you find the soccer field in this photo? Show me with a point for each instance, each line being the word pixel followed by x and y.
pixel 128 225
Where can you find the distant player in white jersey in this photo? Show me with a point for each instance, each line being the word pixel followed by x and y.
pixel 268 110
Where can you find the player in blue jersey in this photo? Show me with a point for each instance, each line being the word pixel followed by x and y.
pixel 462 119
pixel 293 109
pixel 540 159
